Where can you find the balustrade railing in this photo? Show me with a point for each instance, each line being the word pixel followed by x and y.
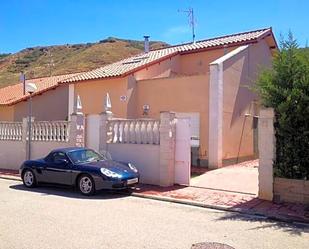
pixel 57 131
pixel 11 131
pixel 135 131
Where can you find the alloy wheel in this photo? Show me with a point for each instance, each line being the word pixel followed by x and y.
pixel 28 178
pixel 85 185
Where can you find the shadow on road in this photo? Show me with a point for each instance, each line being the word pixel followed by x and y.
pixel 292 229
pixel 72 193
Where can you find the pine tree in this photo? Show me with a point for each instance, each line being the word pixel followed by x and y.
pixel 286 89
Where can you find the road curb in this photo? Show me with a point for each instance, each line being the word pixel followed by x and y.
pixel 9 177
pixel 291 219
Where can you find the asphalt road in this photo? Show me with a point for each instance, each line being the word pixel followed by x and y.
pixel 60 218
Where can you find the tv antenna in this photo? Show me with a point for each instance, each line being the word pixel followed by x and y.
pixel 190 14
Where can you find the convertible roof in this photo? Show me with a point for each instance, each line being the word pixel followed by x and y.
pixel 68 149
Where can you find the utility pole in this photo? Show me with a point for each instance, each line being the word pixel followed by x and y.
pixel 22 79
pixel 50 62
pixel 190 14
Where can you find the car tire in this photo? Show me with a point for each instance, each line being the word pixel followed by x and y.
pixel 29 179
pixel 86 185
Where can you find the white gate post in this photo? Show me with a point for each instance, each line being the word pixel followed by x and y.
pixel 267 147
pixel 77 125
pixel 104 117
pixel 167 149
pixel 24 137
pixel 215 145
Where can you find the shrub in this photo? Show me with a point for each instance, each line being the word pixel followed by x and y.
pixel 286 89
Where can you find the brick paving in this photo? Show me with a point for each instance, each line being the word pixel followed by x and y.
pixel 9 172
pixel 244 203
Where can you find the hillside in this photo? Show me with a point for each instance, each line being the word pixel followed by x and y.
pixel 62 59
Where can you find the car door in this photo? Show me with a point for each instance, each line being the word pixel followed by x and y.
pixel 58 169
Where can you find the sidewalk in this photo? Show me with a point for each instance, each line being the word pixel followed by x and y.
pixel 241 177
pixel 227 201
pixel 214 199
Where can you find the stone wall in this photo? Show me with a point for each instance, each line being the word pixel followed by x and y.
pixel 290 190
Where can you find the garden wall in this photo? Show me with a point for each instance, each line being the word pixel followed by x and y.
pixel 290 190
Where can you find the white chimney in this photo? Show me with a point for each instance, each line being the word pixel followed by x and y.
pixel 146 43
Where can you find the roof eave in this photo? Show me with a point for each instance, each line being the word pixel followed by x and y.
pixel 126 73
pixel 24 98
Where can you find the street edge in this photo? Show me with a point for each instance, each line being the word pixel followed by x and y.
pixel 293 220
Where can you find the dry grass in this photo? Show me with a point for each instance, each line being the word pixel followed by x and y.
pixel 36 62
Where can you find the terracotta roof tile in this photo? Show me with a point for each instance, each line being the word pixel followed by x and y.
pixel 132 64
pixel 13 94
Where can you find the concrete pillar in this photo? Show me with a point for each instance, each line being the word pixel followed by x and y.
pixel 215 115
pixel 71 100
pixel 267 152
pixel 167 149
pixel 25 132
pixel 25 129
pixel 104 117
pixel 24 138
pixel 77 129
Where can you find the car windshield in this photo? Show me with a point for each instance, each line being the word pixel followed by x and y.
pixel 86 156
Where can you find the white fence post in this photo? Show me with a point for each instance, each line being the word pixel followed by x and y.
pixel 77 130
pixel 267 147
pixel 104 116
pixel 24 129
pixel 167 149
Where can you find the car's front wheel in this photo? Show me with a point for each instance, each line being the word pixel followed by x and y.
pixel 29 179
pixel 86 185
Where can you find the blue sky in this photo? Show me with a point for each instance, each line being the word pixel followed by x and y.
pixel 28 23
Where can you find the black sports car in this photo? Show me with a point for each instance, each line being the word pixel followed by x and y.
pixel 81 167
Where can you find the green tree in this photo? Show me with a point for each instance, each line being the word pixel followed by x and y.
pixel 286 89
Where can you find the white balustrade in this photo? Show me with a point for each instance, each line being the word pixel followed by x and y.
pixel 11 131
pixel 134 131
pixel 57 131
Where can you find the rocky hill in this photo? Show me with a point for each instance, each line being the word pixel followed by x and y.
pixel 62 59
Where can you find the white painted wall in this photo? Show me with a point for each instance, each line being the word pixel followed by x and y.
pixel 145 157
pixel 40 149
pixel 12 154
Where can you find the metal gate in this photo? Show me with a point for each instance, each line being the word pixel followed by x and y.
pixel 183 151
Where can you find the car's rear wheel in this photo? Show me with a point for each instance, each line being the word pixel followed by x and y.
pixel 86 185
pixel 29 179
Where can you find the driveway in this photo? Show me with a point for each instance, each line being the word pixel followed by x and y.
pixel 61 218
pixel 241 178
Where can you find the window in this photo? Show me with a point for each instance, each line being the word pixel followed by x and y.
pixel 56 157
pixel 85 156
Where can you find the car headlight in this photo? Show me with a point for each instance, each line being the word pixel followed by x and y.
pixel 132 167
pixel 109 173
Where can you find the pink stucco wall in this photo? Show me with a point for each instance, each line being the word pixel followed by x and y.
pixel 187 94
pixel 51 105
pixel 240 74
pixel 168 85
